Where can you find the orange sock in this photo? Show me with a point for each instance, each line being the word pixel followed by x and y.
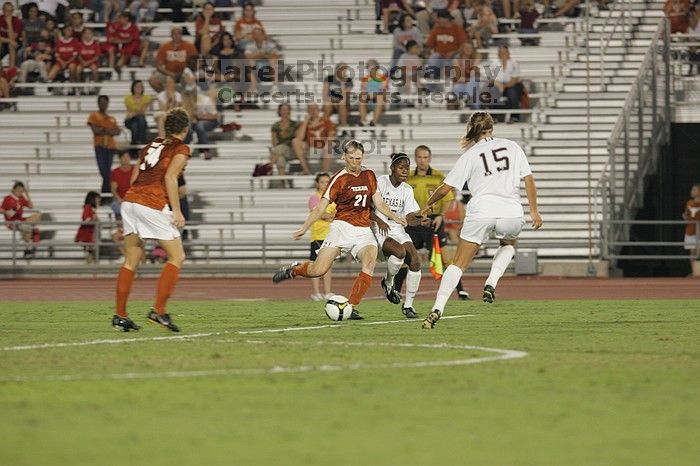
pixel 359 288
pixel 124 281
pixel 166 285
pixel 301 270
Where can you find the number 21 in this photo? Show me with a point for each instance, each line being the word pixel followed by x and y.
pixel 360 200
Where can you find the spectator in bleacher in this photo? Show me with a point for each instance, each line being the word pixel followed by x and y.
pixel 389 7
pixel 318 232
pixel 124 41
pixel 444 42
pixel 8 77
pixel 694 33
pixel 230 64
pixel 406 31
pixel 167 100
pixel 171 59
pixel 89 56
pixel 65 55
pixel 692 213
pixel 86 230
pixel 54 9
pixel 104 128
pixel 77 25
pixel 507 82
pixel 120 182
pixel 244 27
pixel 410 63
pixel 678 12
pixel 111 9
pixel 336 90
pixel 32 26
pixel 567 8
pixel 466 84
pixel 314 136
pixel 283 133
pixel 37 58
pixel 144 10
pixel 426 18
pixel 209 28
pixel 206 119
pixel 262 56
pixel 528 18
pixel 10 33
pixel 13 206
pixel 137 104
pixel 54 32
pixel 373 93
pixel 485 27
pixel 177 15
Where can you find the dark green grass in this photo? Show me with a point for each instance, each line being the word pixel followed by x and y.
pixel 603 383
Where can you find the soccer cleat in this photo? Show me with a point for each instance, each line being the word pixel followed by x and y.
pixel 391 294
pixel 285 273
pixel 489 294
pixel 124 324
pixel 431 320
pixel 318 297
pixel 354 315
pixel 409 312
pixel 463 295
pixel 162 319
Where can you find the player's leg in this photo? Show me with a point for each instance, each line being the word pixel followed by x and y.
pixel 413 278
pixel 447 255
pixel 169 276
pixel 367 256
pixel 327 282
pixel 418 237
pixel 315 281
pixel 694 263
pixel 133 251
pixel 500 262
pixel 394 253
pixel 318 268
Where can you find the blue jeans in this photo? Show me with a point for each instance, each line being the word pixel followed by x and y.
pixel 202 128
pixel 435 65
pixel 468 92
pixel 139 129
pixel 104 158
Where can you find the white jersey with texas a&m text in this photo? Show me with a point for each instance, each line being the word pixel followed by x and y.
pixel 492 168
pixel 400 199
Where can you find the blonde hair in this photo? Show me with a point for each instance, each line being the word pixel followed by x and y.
pixel 479 123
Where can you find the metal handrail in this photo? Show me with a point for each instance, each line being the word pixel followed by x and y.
pixel 605 39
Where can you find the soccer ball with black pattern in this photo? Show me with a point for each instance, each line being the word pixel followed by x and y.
pixel 338 308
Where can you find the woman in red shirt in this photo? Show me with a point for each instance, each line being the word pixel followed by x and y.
pixel 65 55
pixel 89 55
pixel 86 231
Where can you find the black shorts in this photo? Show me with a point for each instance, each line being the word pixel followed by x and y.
pixel 313 247
pixel 422 237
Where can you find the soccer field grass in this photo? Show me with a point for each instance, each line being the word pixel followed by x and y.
pixel 584 383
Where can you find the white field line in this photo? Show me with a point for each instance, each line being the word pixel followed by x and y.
pixel 501 355
pixel 200 335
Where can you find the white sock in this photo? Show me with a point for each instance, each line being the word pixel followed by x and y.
pixel 447 285
pixel 393 265
pixel 412 283
pixel 500 262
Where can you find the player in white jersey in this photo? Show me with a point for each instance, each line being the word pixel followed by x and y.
pixel 396 245
pixel 492 168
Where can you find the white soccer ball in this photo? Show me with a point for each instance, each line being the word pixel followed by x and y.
pixel 338 308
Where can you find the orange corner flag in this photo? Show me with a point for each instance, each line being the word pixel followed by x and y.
pixel 436 259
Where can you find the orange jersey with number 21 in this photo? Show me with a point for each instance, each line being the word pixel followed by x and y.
pixel 149 187
pixel 352 196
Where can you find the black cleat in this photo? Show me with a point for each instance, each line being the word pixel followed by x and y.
pixel 124 324
pixel 162 319
pixel 354 315
pixel 285 273
pixel 489 294
pixel 463 295
pixel 431 320
pixel 409 312
pixel 391 294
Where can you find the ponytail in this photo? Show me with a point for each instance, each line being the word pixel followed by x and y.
pixel 479 123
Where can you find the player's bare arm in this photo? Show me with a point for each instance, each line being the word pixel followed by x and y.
pixel 382 207
pixel 531 191
pixel 313 216
pixel 381 224
pixel 414 218
pixel 177 165
pixel 442 191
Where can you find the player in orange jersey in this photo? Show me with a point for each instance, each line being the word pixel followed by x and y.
pixel 354 190
pixel 692 212
pixel 151 210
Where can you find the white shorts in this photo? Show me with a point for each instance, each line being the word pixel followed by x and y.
pixel 397 233
pixel 691 242
pixel 348 237
pixel 480 230
pixel 148 223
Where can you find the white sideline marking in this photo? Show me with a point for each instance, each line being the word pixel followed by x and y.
pixel 201 335
pixel 501 355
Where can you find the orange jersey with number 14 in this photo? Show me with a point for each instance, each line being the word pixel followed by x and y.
pixel 352 195
pixel 149 187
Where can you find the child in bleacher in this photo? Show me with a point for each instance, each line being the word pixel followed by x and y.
pixel 65 54
pixel 486 26
pixel 37 58
pixel 528 17
pixel 89 55
pixel 86 231
pixel 409 63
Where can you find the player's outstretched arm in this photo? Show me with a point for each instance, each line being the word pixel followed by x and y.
pixel 531 191
pixel 414 218
pixel 381 206
pixel 313 216
pixel 382 226
pixel 442 191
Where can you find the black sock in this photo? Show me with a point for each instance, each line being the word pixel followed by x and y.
pixel 459 286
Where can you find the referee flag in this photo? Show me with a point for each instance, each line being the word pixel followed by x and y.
pixel 436 259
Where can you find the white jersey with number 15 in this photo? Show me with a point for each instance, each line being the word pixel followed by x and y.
pixel 492 169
